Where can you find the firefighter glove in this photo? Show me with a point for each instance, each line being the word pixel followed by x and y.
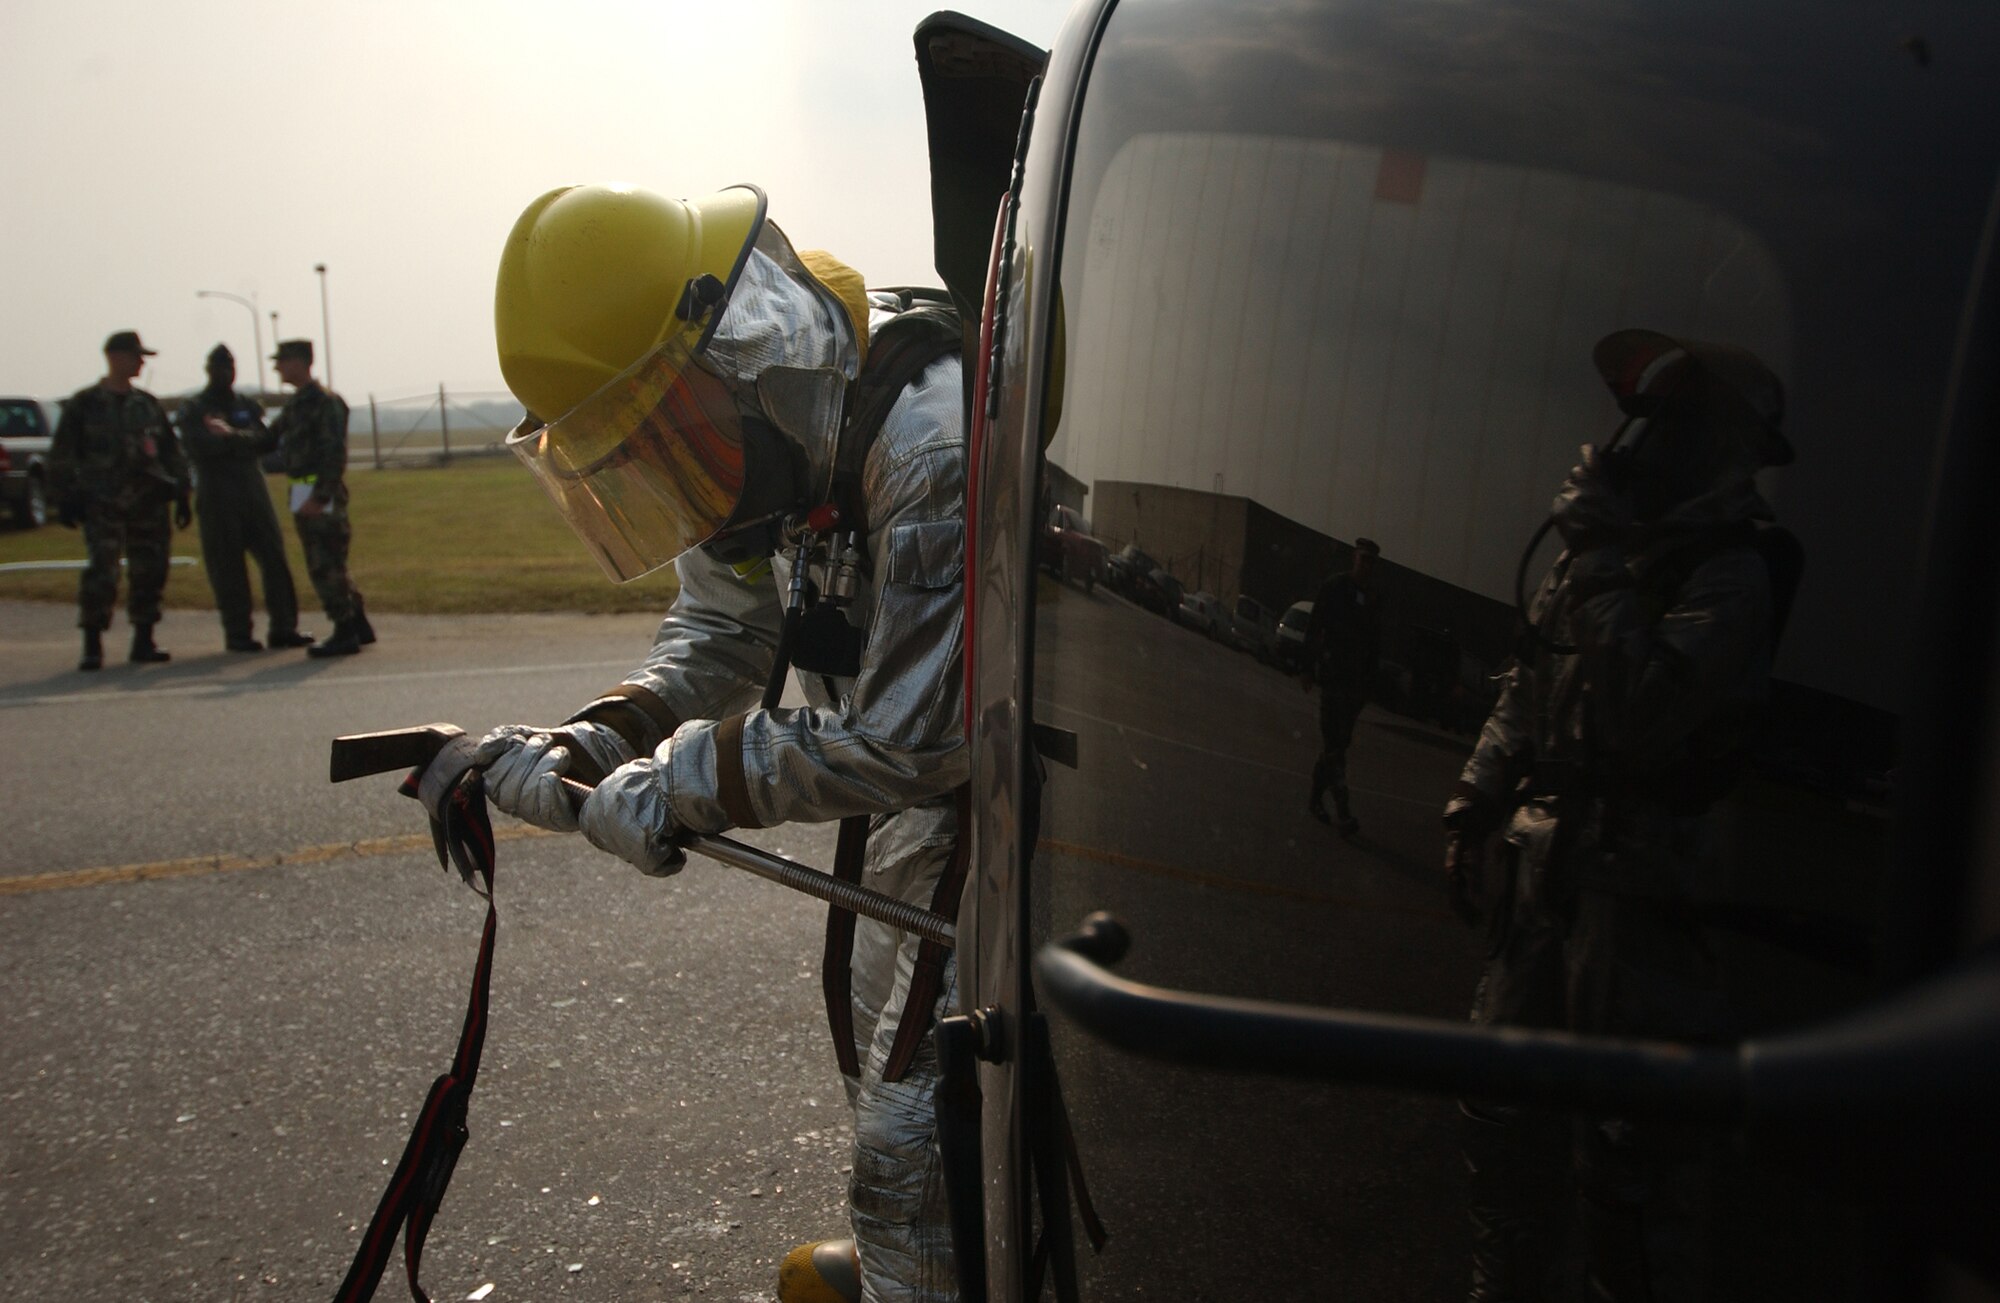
pixel 627 815
pixel 525 767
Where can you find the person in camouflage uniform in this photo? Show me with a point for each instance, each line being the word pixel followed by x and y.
pixel 311 435
pixel 1625 719
pixel 116 469
pixel 225 436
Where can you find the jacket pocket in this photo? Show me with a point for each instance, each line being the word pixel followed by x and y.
pixel 927 553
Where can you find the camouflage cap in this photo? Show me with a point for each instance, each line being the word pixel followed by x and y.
pixel 127 341
pixel 301 349
pixel 220 355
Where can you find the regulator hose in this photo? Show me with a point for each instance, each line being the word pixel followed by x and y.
pixel 1547 644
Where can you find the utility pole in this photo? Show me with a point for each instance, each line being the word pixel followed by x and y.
pixel 325 329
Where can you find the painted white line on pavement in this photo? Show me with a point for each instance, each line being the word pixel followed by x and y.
pixel 19 567
pixel 230 687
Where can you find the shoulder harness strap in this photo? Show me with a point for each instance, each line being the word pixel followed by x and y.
pixel 898 353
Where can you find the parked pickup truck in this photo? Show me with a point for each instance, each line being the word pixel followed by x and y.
pixel 1069 552
pixel 25 428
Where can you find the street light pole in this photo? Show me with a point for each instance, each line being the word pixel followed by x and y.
pixel 325 330
pixel 256 327
pixel 275 336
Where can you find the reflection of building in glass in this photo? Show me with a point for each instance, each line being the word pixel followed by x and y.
pixel 1214 542
pixel 1232 546
pixel 1377 343
pixel 1062 489
pixel 1313 340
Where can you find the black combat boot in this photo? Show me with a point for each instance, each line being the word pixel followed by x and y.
pixel 290 639
pixel 93 651
pixel 243 643
pixel 1347 823
pixel 143 650
pixel 363 630
pixel 346 641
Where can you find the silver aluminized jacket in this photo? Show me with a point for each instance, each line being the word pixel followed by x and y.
pixel 889 742
pixel 1668 674
pixel 1603 763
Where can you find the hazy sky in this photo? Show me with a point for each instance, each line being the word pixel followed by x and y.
pixel 152 150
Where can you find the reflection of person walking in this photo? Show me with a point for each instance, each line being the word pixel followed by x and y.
pixel 312 438
pixel 225 437
pixel 1343 649
pixel 115 467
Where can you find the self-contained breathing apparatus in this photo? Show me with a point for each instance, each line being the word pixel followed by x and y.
pixel 826 542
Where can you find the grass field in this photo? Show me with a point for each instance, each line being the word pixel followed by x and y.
pixel 475 536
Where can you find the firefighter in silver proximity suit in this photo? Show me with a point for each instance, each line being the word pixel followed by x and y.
pixel 685 371
pixel 1625 718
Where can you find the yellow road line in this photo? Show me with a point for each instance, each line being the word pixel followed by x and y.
pixel 199 865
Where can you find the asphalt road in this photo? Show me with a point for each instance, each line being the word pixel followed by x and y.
pixel 226 985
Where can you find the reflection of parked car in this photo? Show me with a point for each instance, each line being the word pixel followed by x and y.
pixel 1288 644
pixel 1069 552
pixel 25 427
pixel 1128 571
pixel 1201 612
pixel 1251 627
pixel 1134 574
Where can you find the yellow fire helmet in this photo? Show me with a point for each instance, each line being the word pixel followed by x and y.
pixel 593 278
pixel 606 297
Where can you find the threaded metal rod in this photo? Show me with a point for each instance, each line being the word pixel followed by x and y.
pixel 820 886
pixel 824 886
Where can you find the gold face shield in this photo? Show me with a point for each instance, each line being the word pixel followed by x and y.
pixel 646 468
pixel 708 436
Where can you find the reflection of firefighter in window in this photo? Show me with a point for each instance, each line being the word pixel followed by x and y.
pixel 1342 654
pixel 1624 720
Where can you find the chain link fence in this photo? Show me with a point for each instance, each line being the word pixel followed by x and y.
pixel 430 429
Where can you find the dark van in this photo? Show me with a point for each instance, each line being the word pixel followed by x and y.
pixel 1347 268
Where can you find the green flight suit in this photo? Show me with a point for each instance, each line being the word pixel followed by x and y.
pixel 233 504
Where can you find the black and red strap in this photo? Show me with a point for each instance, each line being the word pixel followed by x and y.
pixel 464 833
